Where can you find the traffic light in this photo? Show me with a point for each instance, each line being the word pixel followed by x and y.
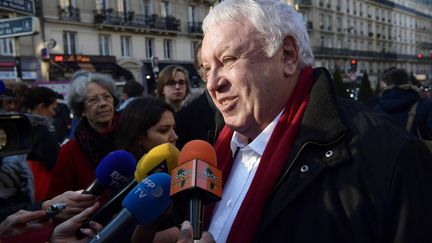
pixel 419 56
pixel 353 65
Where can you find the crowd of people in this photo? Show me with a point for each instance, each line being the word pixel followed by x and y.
pixel 298 163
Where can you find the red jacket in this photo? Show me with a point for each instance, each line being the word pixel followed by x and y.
pixel 72 171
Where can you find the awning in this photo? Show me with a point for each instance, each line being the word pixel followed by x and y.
pixel 113 69
pixel 87 66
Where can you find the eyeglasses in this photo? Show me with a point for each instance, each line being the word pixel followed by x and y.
pixel 95 99
pixel 173 83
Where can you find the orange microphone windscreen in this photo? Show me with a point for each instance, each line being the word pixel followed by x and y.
pixel 198 149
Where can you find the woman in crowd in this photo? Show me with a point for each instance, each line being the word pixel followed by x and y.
pixel 40 103
pixel 173 86
pixel 92 99
pixel 144 124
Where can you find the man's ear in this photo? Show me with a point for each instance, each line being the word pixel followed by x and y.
pixel 290 55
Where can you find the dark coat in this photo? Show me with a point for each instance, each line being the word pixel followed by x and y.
pixel 397 103
pixel 198 120
pixel 352 176
pixel 44 143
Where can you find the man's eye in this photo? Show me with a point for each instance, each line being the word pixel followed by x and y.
pixel 228 60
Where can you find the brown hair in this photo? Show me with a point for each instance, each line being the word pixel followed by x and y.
pixel 168 74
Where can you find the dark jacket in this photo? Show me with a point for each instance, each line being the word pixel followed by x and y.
pixel 44 145
pixel 397 103
pixel 352 176
pixel 198 120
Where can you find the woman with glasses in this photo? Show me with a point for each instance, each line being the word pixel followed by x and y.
pixel 92 99
pixel 173 86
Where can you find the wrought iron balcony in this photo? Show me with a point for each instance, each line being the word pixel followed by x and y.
pixel 195 27
pixel 377 55
pixel 69 13
pixel 130 19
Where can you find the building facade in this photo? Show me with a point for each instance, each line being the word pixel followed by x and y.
pixel 370 35
pixel 134 39
pixel 128 39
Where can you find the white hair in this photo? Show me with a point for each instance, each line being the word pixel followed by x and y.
pixel 273 20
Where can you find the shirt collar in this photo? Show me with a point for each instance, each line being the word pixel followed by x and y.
pixel 259 143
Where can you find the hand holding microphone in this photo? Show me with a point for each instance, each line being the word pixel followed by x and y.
pixel 197 180
pixel 145 203
pixel 162 158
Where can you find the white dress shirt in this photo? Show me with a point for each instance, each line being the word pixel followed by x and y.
pixel 243 170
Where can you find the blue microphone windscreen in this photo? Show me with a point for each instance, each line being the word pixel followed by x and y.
pixel 150 198
pixel 116 169
pixel 2 87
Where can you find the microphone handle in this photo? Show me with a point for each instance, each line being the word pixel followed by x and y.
pixel 95 188
pixel 196 215
pixel 105 213
pixel 122 222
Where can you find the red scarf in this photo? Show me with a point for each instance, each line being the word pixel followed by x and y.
pixel 273 160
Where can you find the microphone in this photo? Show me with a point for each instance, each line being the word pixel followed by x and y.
pixel 162 158
pixel 112 172
pixel 197 180
pixel 146 202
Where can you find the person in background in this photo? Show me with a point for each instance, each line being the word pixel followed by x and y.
pixel 62 121
pixel 293 156
pixel 401 99
pixel 40 103
pixel 200 119
pixel 12 99
pixel 16 178
pixel 131 90
pixel 152 123
pixel 173 86
pixel 92 99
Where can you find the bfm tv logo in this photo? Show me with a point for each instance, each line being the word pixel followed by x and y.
pixel 117 179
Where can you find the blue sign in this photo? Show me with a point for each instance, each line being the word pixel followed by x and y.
pixel 19 6
pixel 18 26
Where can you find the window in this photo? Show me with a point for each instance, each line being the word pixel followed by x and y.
pixel 167 49
pixel 165 8
pixel 123 6
pixel 67 3
pixel 102 4
pixel 69 42
pixel 7 47
pixel 147 7
pixel 126 46
pixel 149 47
pixel 194 45
pixel 104 45
pixel 191 14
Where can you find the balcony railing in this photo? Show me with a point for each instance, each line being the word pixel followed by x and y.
pixel 195 27
pixel 326 51
pixel 69 13
pixel 130 19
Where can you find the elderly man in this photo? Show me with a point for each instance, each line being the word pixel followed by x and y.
pixel 300 165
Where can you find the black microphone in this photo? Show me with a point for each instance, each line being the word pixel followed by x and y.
pixel 145 203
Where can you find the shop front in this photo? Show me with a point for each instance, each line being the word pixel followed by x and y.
pixel 62 67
